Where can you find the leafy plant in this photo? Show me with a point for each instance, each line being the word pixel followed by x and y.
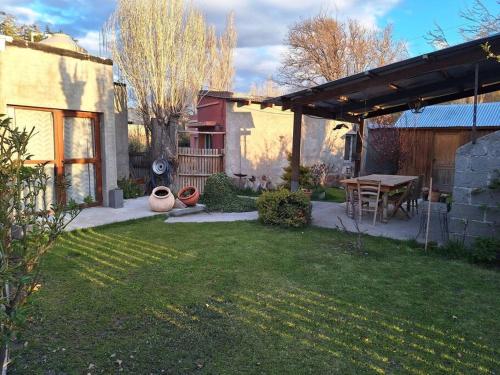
pixel 285 208
pixel 29 225
pixel 220 195
pixel 485 250
pixel 130 188
pixel 88 200
pixel 305 177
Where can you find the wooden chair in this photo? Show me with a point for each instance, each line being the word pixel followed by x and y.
pixel 398 199
pixel 369 197
pixel 415 194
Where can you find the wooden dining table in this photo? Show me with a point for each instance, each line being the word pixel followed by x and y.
pixel 388 184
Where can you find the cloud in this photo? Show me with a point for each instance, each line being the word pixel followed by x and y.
pixel 91 42
pixel 262 24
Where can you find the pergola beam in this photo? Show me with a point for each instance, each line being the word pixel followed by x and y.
pixel 436 100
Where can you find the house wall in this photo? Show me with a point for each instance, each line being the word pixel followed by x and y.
pixel 32 75
pixel 121 130
pixel 259 140
pixel 475 211
pixel 210 109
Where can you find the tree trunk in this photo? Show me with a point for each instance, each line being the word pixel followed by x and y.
pixel 164 141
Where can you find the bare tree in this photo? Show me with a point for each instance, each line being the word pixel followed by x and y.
pixel 164 50
pixel 267 89
pixel 479 21
pixel 323 49
pixel 222 51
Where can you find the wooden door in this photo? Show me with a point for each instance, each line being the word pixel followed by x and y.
pixel 443 163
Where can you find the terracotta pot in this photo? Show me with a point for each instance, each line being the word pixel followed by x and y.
pixel 161 199
pixel 435 196
pixel 191 198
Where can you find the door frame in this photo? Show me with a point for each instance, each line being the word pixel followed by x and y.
pixel 58 116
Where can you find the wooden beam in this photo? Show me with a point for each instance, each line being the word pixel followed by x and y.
pixel 437 100
pixel 297 130
pixel 415 68
pixel 405 95
pixel 327 114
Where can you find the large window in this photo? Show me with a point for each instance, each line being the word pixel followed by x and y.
pixel 68 142
pixel 350 147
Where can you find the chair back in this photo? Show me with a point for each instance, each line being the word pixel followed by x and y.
pixel 369 194
pixel 368 190
pixel 416 189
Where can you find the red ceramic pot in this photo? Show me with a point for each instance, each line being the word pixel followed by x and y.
pixel 189 195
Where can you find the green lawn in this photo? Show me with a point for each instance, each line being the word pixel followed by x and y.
pixel 334 194
pixel 145 297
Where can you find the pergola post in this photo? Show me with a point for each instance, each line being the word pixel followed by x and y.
pixel 359 163
pixel 297 129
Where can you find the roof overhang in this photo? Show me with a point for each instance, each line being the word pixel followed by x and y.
pixel 432 78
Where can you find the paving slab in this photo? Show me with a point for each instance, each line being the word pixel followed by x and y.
pixel 325 214
pixel 94 216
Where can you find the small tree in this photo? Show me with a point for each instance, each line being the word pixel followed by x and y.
pixel 29 225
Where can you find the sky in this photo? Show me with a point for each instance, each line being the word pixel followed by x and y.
pixel 262 24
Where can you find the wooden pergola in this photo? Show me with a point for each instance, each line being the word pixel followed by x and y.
pixel 452 73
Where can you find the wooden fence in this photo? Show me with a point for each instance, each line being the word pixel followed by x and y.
pixel 140 165
pixel 197 164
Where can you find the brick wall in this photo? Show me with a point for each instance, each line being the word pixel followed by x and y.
pixel 476 206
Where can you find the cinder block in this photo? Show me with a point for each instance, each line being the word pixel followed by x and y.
pixel 484 164
pixel 466 211
pixel 457 225
pixel 482 229
pixel 487 197
pixel 461 195
pixel 472 179
pixel 116 198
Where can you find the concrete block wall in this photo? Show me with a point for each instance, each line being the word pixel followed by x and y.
pixel 476 205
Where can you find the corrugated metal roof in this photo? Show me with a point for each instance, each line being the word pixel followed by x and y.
pixel 451 116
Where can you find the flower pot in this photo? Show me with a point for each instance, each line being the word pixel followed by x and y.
pixel 435 196
pixel 189 195
pixel 161 199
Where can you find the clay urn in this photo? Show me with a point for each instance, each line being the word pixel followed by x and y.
pixel 161 199
pixel 189 195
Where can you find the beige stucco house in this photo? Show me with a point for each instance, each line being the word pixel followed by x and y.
pixel 256 140
pixel 78 112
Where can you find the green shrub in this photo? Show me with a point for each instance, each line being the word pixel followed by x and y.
pixel 305 177
pixel 220 195
pixel 452 250
pixel 284 208
pixel 130 188
pixel 485 250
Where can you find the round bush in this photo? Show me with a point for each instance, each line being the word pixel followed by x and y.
pixel 284 208
pixel 220 195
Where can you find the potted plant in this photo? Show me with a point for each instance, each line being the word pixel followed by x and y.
pixel 161 199
pixel 189 195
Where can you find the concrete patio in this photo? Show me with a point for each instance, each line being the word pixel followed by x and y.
pixel 325 214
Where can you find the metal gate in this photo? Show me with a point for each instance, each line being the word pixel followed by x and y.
pixel 197 164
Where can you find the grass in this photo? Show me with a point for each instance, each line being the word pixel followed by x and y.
pixel 334 194
pixel 223 298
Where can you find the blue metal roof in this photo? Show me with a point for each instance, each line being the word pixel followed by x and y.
pixel 451 116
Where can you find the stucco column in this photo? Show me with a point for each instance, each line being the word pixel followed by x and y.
pixel 297 130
